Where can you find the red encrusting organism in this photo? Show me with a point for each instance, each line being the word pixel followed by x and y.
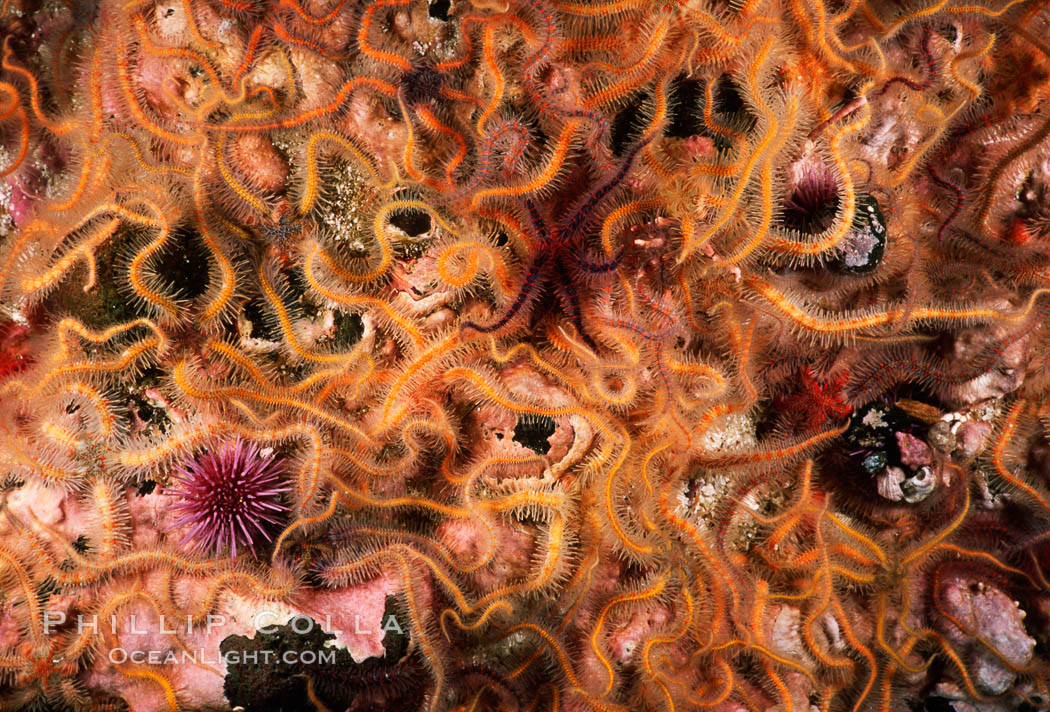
pixel 14 352
pixel 816 403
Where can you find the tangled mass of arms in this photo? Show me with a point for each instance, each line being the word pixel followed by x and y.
pixel 639 354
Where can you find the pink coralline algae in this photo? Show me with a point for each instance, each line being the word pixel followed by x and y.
pixel 984 619
pixel 914 452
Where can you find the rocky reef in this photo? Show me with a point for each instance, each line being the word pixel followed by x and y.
pixel 525 355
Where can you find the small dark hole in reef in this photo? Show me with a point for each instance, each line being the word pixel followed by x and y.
pixel 937 704
pixel 297 285
pixel 727 96
pixel 848 95
pixel 146 487
pixel 439 9
pixel 628 124
pixel 349 328
pixel 184 265
pixel 729 102
pixel 412 222
pixel 82 544
pixel 47 587
pixel 277 682
pixel 262 327
pixel 9 484
pixel 144 408
pixel 686 113
pixel 533 431
pixel 107 303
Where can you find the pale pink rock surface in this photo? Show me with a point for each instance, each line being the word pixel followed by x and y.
pixel 1005 373
pixel 972 437
pixel 992 627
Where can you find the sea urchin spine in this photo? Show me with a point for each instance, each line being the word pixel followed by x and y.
pixel 228 495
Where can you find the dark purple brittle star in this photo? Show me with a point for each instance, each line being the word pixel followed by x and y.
pixel 927 58
pixel 559 256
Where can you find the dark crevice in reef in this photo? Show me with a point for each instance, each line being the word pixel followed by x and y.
pixel 349 328
pixel 297 284
pixel 144 408
pixel 438 9
pixel 937 704
pixel 411 222
pixel 730 106
pixel 685 115
pixel 108 302
pixel 52 705
pixel 183 265
pixel 532 431
pixel 272 671
pixel 628 124
pixel 263 327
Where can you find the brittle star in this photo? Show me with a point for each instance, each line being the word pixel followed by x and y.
pixel 658 326
pixel 558 246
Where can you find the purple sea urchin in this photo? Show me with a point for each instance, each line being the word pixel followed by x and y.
pixel 813 197
pixel 226 496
